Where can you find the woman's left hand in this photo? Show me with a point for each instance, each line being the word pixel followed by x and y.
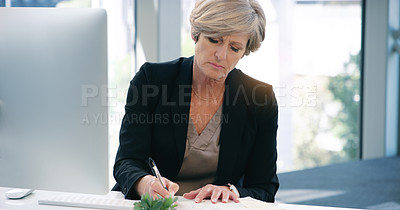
pixel 213 192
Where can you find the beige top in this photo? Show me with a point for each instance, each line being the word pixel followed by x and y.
pixel 200 162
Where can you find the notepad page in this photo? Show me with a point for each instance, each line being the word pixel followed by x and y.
pixel 252 203
pixel 244 204
pixel 208 205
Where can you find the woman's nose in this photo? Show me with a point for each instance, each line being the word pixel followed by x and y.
pixel 221 52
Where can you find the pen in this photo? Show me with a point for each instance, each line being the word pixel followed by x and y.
pixel 155 171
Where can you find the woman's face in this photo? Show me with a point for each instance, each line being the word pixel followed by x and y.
pixel 216 57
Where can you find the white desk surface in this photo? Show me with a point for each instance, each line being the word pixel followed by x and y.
pixel 31 202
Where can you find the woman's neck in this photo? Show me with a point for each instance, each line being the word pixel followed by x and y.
pixel 206 88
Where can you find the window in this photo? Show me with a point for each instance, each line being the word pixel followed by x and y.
pixel 311 55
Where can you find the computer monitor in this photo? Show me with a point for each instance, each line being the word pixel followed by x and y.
pixel 53 99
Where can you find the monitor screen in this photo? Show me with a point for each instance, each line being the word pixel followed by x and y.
pixel 53 99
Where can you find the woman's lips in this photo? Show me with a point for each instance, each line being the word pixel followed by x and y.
pixel 217 66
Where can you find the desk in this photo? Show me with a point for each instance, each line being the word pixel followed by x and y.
pixel 31 202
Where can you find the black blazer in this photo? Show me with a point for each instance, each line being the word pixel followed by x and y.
pixel 156 121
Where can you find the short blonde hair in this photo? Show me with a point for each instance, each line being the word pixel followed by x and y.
pixel 217 18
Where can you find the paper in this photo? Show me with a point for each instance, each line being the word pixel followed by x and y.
pixel 208 205
pixel 244 204
pixel 251 203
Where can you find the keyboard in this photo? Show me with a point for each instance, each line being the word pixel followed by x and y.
pixel 88 201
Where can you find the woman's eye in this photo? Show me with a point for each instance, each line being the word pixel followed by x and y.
pixel 212 40
pixel 235 49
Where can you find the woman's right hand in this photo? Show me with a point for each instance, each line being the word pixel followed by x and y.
pixel 153 186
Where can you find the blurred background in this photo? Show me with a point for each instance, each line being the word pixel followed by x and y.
pixel 318 55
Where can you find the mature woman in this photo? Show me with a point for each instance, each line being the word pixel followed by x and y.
pixel 210 128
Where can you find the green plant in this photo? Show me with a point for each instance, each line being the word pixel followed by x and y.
pixel 148 203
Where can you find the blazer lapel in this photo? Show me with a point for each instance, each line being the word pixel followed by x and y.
pixel 233 119
pixel 181 95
